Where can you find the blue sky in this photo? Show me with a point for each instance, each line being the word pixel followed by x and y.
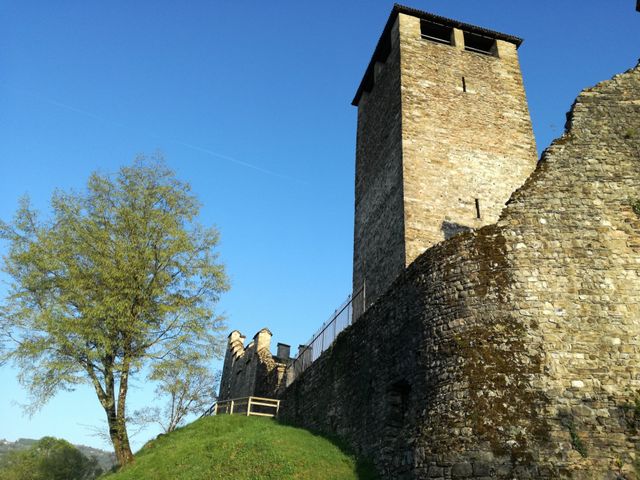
pixel 249 101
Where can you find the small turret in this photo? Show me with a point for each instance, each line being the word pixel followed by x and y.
pixel 262 339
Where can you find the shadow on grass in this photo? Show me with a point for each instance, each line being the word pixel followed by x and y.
pixel 364 466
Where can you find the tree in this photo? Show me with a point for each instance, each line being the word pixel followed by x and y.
pixel 49 459
pixel 121 279
pixel 186 388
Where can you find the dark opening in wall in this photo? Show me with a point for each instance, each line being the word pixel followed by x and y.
pixel 368 82
pixel 398 402
pixel 381 55
pixel 436 32
pixel 464 85
pixel 384 49
pixel 479 43
pixel 477 208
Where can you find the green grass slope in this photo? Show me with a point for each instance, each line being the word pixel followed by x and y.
pixel 242 448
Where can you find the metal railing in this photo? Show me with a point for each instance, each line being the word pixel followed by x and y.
pixel 249 406
pixel 326 334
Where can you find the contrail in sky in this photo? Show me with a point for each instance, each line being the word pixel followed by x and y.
pixel 236 161
pixel 179 142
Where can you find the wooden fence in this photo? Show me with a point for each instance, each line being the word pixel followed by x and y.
pixel 249 406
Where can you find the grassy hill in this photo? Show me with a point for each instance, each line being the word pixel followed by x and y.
pixel 242 448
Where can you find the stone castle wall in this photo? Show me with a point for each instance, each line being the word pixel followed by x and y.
pixel 379 219
pixel 466 135
pixel 512 351
pixel 439 129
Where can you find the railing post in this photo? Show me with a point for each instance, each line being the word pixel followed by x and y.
pixel 364 294
pixel 215 409
pixel 231 411
pixel 277 407
pixel 335 320
pixel 248 406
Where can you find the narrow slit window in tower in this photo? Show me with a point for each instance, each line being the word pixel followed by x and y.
pixel 477 208
pixel 464 85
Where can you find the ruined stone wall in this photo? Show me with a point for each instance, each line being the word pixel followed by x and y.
pixel 512 351
pixel 379 220
pixel 251 370
pixel 466 135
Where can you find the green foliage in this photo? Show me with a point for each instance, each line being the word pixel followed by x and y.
pixel 120 277
pixel 635 205
pixel 105 459
pixel 636 409
pixel 630 133
pixel 20 444
pixel 576 442
pixel 186 387
pixel 242 448
pixel 49 459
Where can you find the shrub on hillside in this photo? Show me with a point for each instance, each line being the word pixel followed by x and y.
pixel 49 459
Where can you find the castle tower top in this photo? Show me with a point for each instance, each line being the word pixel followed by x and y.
pixel 443 139
pixel 382 48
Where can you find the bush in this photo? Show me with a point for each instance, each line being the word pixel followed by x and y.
pixel 49 459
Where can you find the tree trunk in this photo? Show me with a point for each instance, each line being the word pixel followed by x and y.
pixel 123 438
pixel 120 439
pixel 115 412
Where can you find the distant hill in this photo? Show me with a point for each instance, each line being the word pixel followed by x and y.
pixel 105 459
pixel 242 448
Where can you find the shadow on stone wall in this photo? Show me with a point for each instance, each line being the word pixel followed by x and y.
pixel 451 229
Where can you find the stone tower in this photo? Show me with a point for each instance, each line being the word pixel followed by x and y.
pixel 444 138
